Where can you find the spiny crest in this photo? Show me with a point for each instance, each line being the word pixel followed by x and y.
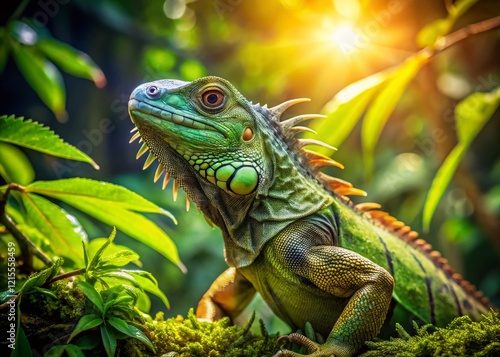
pixel 160 170
pixel 406 233
pixel 315 162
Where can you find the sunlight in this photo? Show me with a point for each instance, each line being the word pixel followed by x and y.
pixel 344 35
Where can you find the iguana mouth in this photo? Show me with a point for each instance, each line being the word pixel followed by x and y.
pixel 142 108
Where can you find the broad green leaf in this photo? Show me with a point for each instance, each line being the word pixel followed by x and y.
pixel 440 183
pixel 113 248
pixel 92 294
pixel 139 278
pixel 118 259
pixel 43 77
pixel 62 230
pixel 72 60
pixel 130 331
pixel 471 115
pixel 108 340
pixel 98 193
pixel 112 205
pixel 117 274
pixel 346 108
pixel 136 226
pixel 85 323
pixel 41 277
pixel 97 256
pixel 14 165
pixel 148 283
pixel 88 342
pixel 384 104
pixel 143 303
pixel 70 349
pixel 35 136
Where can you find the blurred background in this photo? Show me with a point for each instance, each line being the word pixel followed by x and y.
pixel 272 52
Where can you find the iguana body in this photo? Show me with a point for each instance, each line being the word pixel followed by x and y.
pixel 290 232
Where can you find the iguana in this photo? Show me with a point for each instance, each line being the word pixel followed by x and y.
pixel 290 231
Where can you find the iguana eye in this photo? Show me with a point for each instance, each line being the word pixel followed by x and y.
pixel 213 98
pixel 153 91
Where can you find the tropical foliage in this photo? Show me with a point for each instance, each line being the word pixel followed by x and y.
pixel 410 91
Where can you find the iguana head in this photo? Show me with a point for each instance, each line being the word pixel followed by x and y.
pixel 234 159
pixel 206 122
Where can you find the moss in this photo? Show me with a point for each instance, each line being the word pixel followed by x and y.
pixel 182 337
pixel 462 337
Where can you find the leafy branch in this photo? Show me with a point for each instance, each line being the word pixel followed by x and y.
pixel 35 217
pixel 377 96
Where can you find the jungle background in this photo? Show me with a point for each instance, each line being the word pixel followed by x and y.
pixel 274 51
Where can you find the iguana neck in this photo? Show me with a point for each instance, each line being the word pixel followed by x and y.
pixel 287 195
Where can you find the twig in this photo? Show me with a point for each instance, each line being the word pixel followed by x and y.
pixel 465 32
pixel 66 275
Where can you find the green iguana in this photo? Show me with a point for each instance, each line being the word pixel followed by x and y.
pixel 290 232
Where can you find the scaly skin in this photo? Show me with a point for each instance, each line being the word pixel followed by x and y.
pixel 290 233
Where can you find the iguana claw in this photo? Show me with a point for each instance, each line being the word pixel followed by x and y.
pixel 301 340
pixel 313 349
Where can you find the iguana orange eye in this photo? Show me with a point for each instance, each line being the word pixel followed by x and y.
pixel 212 98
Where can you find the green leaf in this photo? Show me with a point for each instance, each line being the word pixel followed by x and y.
pixel 44 291
pixel 130 331
pixel 35 136
pixel 148 283
pixel 429 35
pixel 23 348
pixel 43 77
pixel 96 192
pixel 70 349
pixel 14 165
pixel 85 323
pixel 40 278
pixel 63 231
pixel 72 60
pixel 118 259
pixel 471 115
pixel 100 251
pixel 112 248
pixel 92 294
pixel 460 7
pixel 384 104
pixel 88 342
pixel 346 107
pixel 112 204
pixel 108 340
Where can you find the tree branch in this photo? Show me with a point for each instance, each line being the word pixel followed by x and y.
pixel 465 32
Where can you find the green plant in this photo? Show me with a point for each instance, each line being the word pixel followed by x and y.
pixel 42 228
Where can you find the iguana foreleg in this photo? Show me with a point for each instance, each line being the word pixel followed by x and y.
pixel 343 274
pixel 227 296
